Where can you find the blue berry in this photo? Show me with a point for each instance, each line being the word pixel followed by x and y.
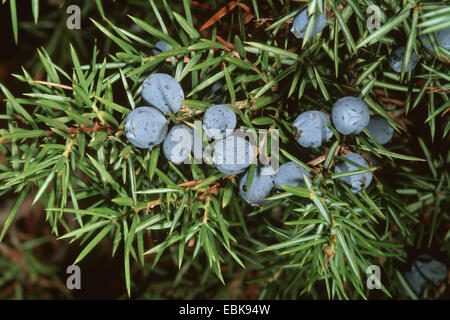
pixel 232 155
pixel 357 182
pixel 163 92
pixel 350 115
pixel 214 88
pixel 290 174
pixel 310 129
pixel 178 143
pixel 259 190
pixel 425 39
pixel 425 269
pixel 301 22
pixel 396 60
pixel 160 46
pixel 145 127
pixel 442 39
pixel 380 129
pixel 219 121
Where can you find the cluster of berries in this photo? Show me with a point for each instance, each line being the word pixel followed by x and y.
pixel 442 37
pixel 147 126
pixel 349 115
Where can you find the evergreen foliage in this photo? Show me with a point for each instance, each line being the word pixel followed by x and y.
pixel 65 143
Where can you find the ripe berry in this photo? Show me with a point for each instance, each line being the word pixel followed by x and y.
pixel 219 121
pixel 442 39
pixel 145 127
pixel 425 269
pixel 260 188
pixel 396 60
pixel 163 92
pixel 160 46
pixel 178 143
pixel 310 129
pixel 350 115
pixel 214 88
pixel 232 155
pixel 357 182
pixel 290 174
pixel 301 22
pixel 380 129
